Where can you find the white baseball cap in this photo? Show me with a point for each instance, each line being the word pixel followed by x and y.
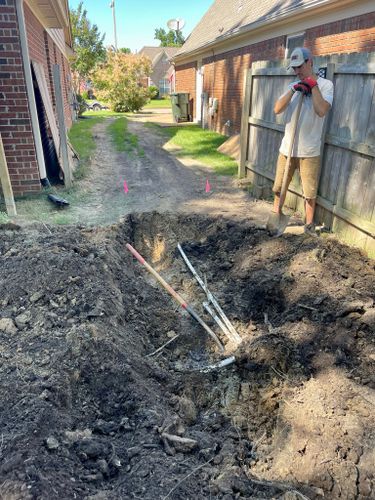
pixel 299 56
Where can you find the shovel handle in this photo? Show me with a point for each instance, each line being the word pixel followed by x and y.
pixel 284 186
pixel 175 295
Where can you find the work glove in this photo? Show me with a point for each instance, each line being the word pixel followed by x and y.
pixel 302 87
pixel 310 81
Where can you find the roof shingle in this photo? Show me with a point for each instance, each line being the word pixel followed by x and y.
pixel 229 17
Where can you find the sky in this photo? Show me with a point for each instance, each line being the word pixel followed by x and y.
pixel 136 20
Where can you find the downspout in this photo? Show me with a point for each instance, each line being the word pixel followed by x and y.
pixel 30 93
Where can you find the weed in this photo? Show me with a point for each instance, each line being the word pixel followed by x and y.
pixel 122 139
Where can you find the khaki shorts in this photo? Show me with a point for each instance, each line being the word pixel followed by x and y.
pixel 309 172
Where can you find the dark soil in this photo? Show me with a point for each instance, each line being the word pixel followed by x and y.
pixel 87 413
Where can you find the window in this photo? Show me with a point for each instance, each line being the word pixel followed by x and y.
pixel 164 87
pixel 293 41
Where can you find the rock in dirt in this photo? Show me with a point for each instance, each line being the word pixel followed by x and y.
pixel 23 319
pixel 7 326
pixel 182 444
pixel 52 443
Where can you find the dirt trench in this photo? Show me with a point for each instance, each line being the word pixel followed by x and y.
pixel 88 412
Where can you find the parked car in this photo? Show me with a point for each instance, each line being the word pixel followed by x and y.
pixel 96 106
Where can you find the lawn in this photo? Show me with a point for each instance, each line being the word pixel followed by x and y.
pixel 199 144
pixel 158 104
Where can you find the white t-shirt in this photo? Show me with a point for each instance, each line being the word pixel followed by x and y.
pixel 309 128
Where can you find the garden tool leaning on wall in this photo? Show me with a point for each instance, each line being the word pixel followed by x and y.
pixel 277 222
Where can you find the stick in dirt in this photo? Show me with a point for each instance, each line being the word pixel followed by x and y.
pixel 210 297
pixel 175 295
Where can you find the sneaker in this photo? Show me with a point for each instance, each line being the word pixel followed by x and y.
pixel 310 229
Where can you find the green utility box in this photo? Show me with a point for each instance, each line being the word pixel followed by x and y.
pixel 180 106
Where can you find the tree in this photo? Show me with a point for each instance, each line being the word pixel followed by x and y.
pixel 118 80
pixel 125 50
pixel 170 39
pixel 87 45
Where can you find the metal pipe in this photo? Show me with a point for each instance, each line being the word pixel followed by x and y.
pixel 218 320
pixel 175 295
pixel 210 297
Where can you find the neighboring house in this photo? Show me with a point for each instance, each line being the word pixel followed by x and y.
pixel 234 33
pixel 35 42
pixel 162 75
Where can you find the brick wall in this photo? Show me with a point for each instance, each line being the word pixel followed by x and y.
pixel 43 50
pixel 186 81
pixel 15 124
pixel 224 73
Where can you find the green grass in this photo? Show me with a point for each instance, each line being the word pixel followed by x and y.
pixel 122 139
pixel 158 103
pixel 80 135
pixel 199 144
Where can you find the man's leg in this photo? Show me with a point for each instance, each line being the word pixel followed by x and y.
pixel 310 204
pixel 309 171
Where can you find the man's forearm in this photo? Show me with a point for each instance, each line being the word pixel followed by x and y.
pixel 283 102
pixel 321 106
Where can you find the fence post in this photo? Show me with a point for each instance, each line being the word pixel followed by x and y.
pixel 244 134
pixel 5 183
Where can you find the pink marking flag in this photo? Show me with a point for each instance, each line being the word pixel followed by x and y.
pixel 208 187
pixel 126 189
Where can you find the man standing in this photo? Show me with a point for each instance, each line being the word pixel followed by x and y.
pixel 317 100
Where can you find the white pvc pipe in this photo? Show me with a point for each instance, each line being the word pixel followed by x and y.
pixel 30 90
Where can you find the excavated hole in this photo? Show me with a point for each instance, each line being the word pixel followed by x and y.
pixel 131 425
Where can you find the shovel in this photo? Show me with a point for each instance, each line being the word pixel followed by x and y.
pixel 277 222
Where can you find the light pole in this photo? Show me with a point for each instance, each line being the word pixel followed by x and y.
pixel 112 6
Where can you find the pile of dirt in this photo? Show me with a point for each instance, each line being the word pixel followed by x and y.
pixel 88 411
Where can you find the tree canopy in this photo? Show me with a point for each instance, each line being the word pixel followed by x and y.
pixel 169 39
pixel 87 43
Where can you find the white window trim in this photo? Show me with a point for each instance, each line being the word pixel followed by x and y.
pixel 290 37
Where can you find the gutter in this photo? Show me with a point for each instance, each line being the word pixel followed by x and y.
pixel 259 26
pixel 30 93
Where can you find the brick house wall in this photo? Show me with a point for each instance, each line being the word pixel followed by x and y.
pixel 186 82
pixel 15 120
pixel 43 50
pixel 15 123
pixel 223 74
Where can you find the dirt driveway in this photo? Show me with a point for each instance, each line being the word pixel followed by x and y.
pixel 157 180
pixel 104 388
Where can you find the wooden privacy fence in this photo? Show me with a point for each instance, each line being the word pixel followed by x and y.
pixel 346 195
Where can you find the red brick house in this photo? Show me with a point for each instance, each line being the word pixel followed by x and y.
pixel 34 37
pixel 162 75
pixel 235 33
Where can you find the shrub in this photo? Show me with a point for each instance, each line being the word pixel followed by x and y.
pixel 154 92
pixel 81 104
pixel 117 81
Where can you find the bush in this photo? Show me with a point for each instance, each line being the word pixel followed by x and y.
pixel 117 81
pixel 154 92
pixel 85 95
pixel 81 104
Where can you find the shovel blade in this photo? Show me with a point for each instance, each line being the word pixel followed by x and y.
pixel 277 224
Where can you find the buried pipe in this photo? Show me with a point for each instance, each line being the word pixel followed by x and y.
pixel 234 335
pixel 175 295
